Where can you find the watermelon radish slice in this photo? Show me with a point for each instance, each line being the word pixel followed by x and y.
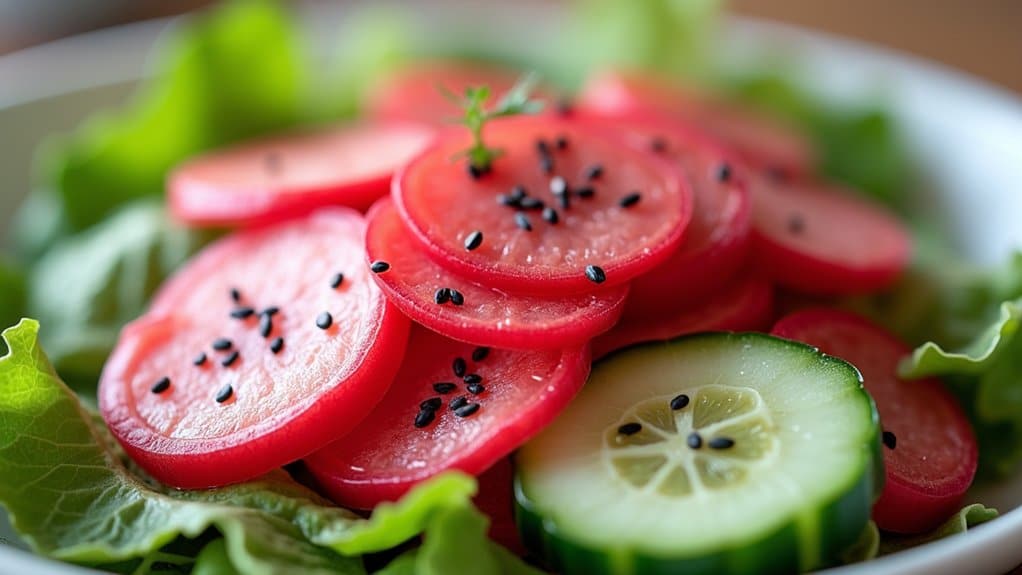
pixel 821 239
pixel 254 355
pixel 762 141
pixel 744 305
pixel 716 240
pixel 475 313
pixel 930 452
pixel 567 207
pixel 287 176
pixel 416 93
pixel 437 416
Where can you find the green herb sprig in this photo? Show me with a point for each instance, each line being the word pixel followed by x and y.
pixel 474 116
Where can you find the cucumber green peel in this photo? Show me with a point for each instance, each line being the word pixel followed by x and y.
pixel 782 475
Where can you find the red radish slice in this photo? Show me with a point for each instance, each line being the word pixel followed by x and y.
pixel 388 454
pixel 486 316
pixel 288 176
pixel 176 415
pixel 930 451
pixel 761 140
pixel 745 305
pixel 523 252
pixel 416 93
pixel 822 240
pixel 716 240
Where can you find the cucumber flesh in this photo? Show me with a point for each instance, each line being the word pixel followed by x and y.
pixel 715 453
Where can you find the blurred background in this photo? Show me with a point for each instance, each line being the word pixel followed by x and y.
pixel 983 37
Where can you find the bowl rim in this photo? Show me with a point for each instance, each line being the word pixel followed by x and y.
pixel 124 51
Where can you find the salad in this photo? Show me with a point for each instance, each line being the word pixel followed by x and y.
pixel 441 314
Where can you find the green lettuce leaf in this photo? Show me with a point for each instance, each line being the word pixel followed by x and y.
pixel 73 495
pixel 89 285
pixel 394 523
pixel 456 541
pixel 856 146
pixel 976 358
pixel 229 74
pixel 874 543
pixel 214 560
pixel 977 350
pixel 12 295
pixel 967 518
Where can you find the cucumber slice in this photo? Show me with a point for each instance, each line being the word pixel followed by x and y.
pixel 787 467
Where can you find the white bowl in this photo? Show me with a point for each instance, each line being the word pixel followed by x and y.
pixel 966 135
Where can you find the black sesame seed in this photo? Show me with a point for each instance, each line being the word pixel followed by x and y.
pixel 324 320
pixel 475 172
pixel 432 404
pixel 522 221
pixel 458 402
pixel 475 388
pixel 272 310
pixel 235 295
pixel 890 440
pixel 222 344
pixel 473 378
pixel 242 313
pixel 721 443
pixel 518 193
pixel 694 440
pixel 424 418
pixel 276 345
pixel 161 385
pixel 225 393
pixel 679 402
pixel 531 203
pixel 265 325
pixel 546 164
pixel 379 266
pixel 564 200
pixel 796 224
pixel 550 215
pixel 473 240
pixel 558 186
pixel 456 297
pixel 630 200
pixel 199 359
pixel 561 143
pixel 586 192
pixel 480 353
pixel 593 172
pixel 444 387
pixel 630 428
pixel 466 410
pixel 724 172
pixel 542 147
pixel 658 145
pixel 337 280
pixel 230 359
pixel 506 200
pixel 459 366
pixel 595 274
pixel 442 296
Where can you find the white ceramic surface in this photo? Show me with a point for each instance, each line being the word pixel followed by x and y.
pixel 966 136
